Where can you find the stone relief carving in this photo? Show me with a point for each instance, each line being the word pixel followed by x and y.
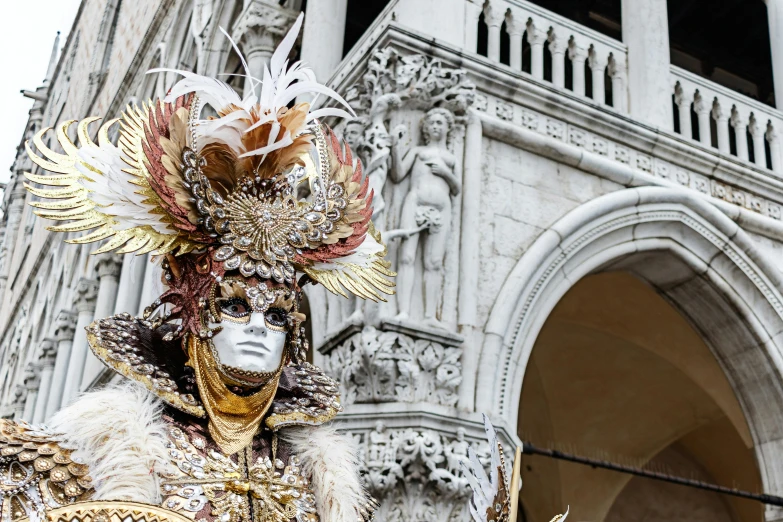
pixel 426 209
pixel 379 366
pixel 421 94
pixel 416 475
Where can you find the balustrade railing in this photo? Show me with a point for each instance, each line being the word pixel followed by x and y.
pixel 582 55
pixel 726 120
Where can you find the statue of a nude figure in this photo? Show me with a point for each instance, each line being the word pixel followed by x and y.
pixel 427 207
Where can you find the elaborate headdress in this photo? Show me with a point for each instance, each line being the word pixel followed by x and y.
pixel 255 194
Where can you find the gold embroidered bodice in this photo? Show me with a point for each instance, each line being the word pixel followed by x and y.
pixel 262 483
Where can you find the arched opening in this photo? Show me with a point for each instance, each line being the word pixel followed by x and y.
pixel 699 262
pixel 618 373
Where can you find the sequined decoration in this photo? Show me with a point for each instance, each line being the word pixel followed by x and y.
pixel 242 488
pixel 36 473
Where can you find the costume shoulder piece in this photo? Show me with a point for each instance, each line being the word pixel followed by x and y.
pixel 37 473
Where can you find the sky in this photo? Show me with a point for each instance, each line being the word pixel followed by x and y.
pixel 26 41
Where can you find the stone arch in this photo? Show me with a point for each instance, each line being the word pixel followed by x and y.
pixel 712 273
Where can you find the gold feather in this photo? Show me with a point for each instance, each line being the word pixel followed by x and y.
pixel 71 201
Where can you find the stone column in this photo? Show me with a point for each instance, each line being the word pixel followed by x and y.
pixel 467 318
pixel 322 41
pixel 775 21
pixel 516 31
pixel 722 124
pixel 739 120
pixel 494 14
pixel 63 334
pixel 619 74
pixel 536 38
pixel 598 69
pixel 578 55
pixel 558 47
pixel 19 402
pixel 14 213
pixel 108 268
pixel 257 31
pixel 757 130
pixel 32 380
pixel 46 361
pixel 84 304
pixel 131 281
pixel 646 33
pixel 684 99
pixel 473 10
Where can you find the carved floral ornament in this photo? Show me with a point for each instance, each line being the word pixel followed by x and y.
pixel 416 474
pixel 378 366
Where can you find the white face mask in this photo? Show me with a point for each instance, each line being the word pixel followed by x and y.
pixel 254 346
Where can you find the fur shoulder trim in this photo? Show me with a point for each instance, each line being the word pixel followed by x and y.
pixel 329 459
pixel 118 432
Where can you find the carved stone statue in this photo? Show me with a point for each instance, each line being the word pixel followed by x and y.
pixel 427 206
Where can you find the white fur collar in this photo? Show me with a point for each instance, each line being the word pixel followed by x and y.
pixel 119 434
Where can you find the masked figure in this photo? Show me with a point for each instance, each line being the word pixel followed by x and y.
pixel 220 417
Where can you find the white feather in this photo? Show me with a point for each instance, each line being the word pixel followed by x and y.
pixel 329 458
pixel 484 487
pixel 113 191
pixel 280 86
pixel 362 256
pixel 119 434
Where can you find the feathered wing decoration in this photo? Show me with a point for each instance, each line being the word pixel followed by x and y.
pixel 352 257
pixel 110 188
pixel 491 501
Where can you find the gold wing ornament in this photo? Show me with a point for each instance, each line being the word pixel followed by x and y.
pixel 110 188
pixel 177 183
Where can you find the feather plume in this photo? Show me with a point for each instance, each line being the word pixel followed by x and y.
pixel 490 493
pixel 256 128
pixel 329 458
pixel 119 434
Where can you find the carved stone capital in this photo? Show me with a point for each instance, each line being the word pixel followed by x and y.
pixel 495 13
pixel 32 377
pixel 108 265
pixel 535 34
pixel 86 295
pixel 396 459
pixel 557 44
pixel 683 98
pixel 577 53
pixel 65 325
pixel 261 26
pixel 596 61
pixel 399 364
pixel 48 353
pixel 20 393
pixel 516 24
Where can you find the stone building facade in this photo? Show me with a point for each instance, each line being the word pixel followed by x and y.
pixel 597 265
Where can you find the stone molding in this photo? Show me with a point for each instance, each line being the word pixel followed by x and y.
pixel 613 150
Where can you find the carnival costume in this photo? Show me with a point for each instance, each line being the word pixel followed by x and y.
pixel 243 208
